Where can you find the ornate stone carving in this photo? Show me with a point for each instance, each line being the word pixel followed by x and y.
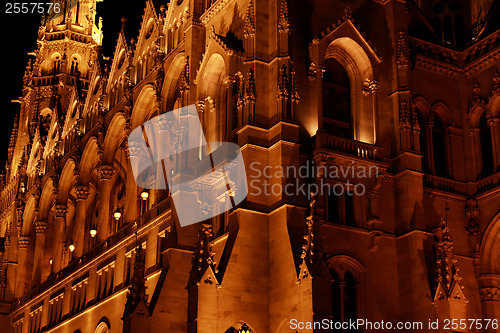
pixel 369 87
pixel 40 227
pixel 23 242
pixel 402 51
pixel 283 84
pixel 204 256
pixel 106 172
pixel 249 28
pixel 404 115
pixel 448 279
pixel 82 192
pixel 489 294
pixel 472 218
pixel 496 81
pixel 60 210
pixel 476 94
pixel 284 21
pixel 3 276
pixel 312 251
pixel 135 149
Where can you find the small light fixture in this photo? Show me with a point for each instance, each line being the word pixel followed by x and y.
pixel 117 215
pixel 244 329
pixel 71 247
pixel 144 195
pixel 93 231
pixel 50 261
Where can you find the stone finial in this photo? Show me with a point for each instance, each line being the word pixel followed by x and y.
pixel 249 28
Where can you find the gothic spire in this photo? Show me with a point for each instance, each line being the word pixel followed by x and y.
pixel 312 253
pixel 204 256
pixel 448 279
pixel 13 138
pixel 137 289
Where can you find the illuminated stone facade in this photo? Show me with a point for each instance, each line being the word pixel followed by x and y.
pixel 294 83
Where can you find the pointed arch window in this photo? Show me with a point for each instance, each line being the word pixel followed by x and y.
pixel 56 69
pixel 74 66
pixel 337 100
pixel 344 296
pixel 340 208
pixel 423 142
pixel 486 146
pixel 243 329
pixel 439 147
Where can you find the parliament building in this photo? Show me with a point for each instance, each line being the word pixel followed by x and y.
pixel 406 89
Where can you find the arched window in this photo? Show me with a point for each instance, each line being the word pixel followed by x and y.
pixel 486 146
pixel 448 30
pixel 459 30
pixel 74 66
pixel 344 296
pixel 336 297
pixel 336 100
pixel 243 329
pixel 423 142
pixel 439 147
pixel 350 301
pixel 103 326
pixel 56 68
pixel 340 207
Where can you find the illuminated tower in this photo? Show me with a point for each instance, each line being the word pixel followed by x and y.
pixel 68 39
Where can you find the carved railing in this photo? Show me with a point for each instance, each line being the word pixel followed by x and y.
pixel 444 184
pixel 348 146
pixel 100 250
pixel 488 183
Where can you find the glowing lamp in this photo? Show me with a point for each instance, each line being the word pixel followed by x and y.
pixel 71 247
pixel 144 195
pixel 50 261
pixel 93 232
pixel 244 329
pixel 117 215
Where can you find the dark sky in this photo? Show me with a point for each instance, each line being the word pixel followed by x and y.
pixel 18 35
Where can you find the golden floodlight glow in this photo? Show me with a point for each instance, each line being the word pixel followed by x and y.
pixel 117 215
pixel 93 232
pixel 144 195
pixel 71 247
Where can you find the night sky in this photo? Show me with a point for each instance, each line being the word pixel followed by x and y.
pixel 18 36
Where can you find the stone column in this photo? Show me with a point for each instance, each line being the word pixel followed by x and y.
pixel 132 208
pixel 316 73
pixel 82 193
pixel 23 243
pixel 106 173
pixel 38 264
pixel 493 125
pixel 473 131
pixel 60 226
pixel 161 172
pixel 430 146
pixel 489 291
